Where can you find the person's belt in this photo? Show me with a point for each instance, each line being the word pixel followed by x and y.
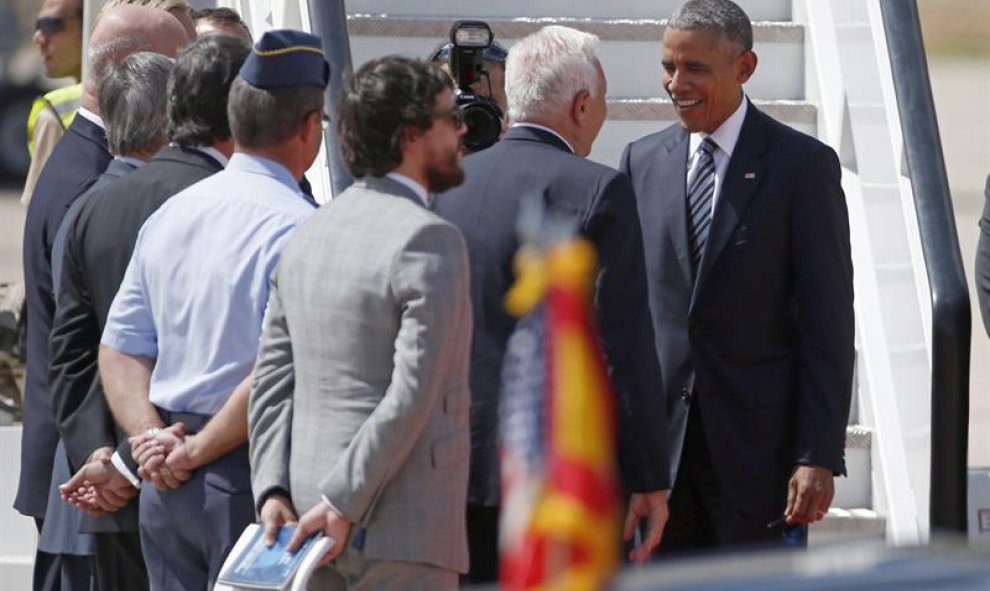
pixel 193 422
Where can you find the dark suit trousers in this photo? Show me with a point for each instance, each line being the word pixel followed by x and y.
pixel 482 531
pixel 62 572
pixel 119 562
pixel 703 516
pixel 187 532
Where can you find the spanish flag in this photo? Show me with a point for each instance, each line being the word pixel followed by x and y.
pixel 561 520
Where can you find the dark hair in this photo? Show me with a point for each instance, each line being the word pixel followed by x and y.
pixel 221 16
pixel 383 98
pixel 199 86
pixel 265 117
pixel 722 16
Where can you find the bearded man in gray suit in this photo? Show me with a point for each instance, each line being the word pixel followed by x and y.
pixel 359 413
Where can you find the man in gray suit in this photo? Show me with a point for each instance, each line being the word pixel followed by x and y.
pixel 359 412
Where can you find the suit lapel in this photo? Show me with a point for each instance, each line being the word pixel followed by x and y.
pixel 669 174
pixel 742 178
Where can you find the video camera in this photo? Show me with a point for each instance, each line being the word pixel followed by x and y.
pixel 469 40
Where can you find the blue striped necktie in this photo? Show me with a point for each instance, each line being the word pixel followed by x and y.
pixel 699 201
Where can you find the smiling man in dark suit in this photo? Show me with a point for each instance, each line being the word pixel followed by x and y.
pixel 556 95
pixel 747 252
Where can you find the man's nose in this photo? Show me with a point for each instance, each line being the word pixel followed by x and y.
pixel 38 38
pixel 675 81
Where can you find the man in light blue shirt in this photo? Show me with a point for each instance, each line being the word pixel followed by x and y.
pixel 182 334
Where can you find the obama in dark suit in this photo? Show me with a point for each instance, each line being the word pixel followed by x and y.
pixel 746 237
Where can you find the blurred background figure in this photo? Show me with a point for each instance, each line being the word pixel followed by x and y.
pixel 220 20
pixel 490 84
pixel 58 35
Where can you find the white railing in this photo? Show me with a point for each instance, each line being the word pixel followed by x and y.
pixel 849 77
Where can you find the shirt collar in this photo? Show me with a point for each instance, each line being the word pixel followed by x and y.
pixel 261 165
pixel 548 130
pixel 135 162
pixel 727 134
pixel 213 153
pixel 413 186
pixel 91 117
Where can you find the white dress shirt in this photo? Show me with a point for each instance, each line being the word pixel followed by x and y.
pixel 725 137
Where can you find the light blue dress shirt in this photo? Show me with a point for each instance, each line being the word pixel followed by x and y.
pixel 195 291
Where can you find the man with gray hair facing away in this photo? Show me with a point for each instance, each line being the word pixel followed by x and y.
pixel 556 94
pixel 182 333
pixel 80 156
pixel 98 249
pixel 747 249
pixel 132 103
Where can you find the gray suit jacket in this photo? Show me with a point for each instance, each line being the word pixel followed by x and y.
pixel 361 385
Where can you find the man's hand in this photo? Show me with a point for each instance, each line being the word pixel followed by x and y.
pixel 651 506
pixel 185 457
pixel 809 495
pixel 322 518
pixel 150 450
pixel 276 512
pixel 97 487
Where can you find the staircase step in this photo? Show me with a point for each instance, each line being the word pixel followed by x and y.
pixel 773 10
pixel 856 489
pixel 848 524
pixel 630 119
pixel 630 50
pixel 16 571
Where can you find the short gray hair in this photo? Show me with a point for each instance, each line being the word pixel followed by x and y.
pixel 546 69
pixel 721 16
pixel 262 118
pixel 132 102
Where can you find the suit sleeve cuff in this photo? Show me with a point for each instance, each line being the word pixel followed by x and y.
pixel 118 462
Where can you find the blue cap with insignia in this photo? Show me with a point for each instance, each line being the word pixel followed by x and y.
pixel 284 57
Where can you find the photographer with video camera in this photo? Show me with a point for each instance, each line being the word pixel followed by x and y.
pixel 556 93
pixel 477 65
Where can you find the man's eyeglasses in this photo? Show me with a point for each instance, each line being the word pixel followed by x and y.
pixel 49 25
pixel 455 114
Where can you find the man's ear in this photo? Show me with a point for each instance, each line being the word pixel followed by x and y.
pixel 308 128
pixel 747 65
pixel 580 105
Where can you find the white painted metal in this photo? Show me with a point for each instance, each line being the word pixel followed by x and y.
pixel 18 539
pixel 630 50
pixel 844 71
pixel 758 10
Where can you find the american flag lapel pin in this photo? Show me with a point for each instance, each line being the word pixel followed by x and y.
pixel 749 176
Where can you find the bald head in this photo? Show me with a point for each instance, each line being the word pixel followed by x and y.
pixel 128 29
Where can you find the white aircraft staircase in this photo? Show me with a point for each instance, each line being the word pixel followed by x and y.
pixel 824 68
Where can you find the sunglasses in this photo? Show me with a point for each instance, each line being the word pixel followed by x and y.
pixel 455 114
pixel 49 25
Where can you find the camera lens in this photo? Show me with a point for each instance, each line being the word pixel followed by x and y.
pixel 484 124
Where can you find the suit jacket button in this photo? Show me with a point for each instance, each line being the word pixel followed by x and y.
pixel 686 396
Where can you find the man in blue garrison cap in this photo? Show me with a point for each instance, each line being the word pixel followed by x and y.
pixel 182 334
